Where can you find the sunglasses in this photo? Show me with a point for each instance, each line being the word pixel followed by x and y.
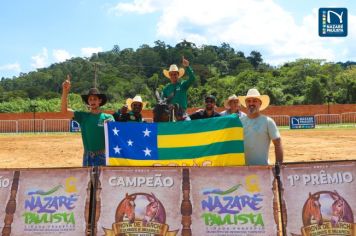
pixel 209 101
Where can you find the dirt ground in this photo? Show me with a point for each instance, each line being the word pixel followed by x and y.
pixel 65 150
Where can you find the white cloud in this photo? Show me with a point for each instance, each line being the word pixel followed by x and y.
pixel 262 25
pixel 11 67
pixel 61 55
pixel 139 6
pixel 88 52
pixel 41 59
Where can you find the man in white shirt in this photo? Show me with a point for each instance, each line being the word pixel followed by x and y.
pixel 233 106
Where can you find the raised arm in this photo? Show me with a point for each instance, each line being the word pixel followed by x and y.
pixel 185 62
pixel 191 76
pixel 64 101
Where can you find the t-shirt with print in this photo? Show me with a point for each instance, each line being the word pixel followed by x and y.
pixel 258 134
pixel 92 127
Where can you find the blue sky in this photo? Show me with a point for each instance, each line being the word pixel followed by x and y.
pixel 37 33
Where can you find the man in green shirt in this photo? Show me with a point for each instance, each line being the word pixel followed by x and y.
pixel 91 124
pixel 176 91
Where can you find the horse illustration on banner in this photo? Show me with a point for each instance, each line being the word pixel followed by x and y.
pixel 312 211
pixel 341 212
pixel 153 212
pixel 327 213
pixel 140 214
pixel 126 209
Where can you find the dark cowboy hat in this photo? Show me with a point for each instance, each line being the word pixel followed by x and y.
pixel 94 91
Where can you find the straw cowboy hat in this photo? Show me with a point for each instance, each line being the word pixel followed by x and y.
pixel 174 67
pixel 136 99
pixel 253 93
pixel 94 91
pixel 227 101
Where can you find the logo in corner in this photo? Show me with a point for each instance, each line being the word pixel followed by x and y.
pixel 332 22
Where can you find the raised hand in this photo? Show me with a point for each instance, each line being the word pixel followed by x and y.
pixel 185 62
pixel 66 84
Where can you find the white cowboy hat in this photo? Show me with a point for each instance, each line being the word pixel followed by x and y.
pixel 253 93
pixel 174 67
pixel 136 99
pixel 227 101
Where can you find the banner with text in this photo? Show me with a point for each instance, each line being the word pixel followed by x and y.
pixel 233 201
pixel 139 201
pixel 320 198
pixel 50 202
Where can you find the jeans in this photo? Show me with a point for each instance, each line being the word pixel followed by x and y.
pixel 96 158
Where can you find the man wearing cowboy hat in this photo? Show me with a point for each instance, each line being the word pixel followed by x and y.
pixel 176 91
pixel 91 124
pixel 233 106
pixel 135 106
pixel 259 130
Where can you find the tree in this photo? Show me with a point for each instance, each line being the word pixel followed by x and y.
pixel 314 93
pixel 148 60
pixel 116 49
pixel 255 59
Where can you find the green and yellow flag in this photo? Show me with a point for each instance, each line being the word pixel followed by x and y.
pixel 206 142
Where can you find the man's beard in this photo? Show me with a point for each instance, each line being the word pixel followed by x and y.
pixel 252 109
pixel 209 108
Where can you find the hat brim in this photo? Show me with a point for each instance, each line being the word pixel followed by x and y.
pixel 181 72
pixel 264 100
pixel 227 101
pixel 101 96
pixel 130 101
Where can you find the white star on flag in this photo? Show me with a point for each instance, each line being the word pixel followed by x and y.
pixel 129 142
pixel 116 131
pixel 147 152
pixel 146 133
pixel 117 149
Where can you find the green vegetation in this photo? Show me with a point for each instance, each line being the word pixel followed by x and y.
pixel 220 70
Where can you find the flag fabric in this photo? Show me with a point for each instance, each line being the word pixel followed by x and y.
pixel 206 142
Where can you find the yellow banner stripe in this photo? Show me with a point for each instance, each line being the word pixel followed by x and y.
pixel 199 139
pixel 236 159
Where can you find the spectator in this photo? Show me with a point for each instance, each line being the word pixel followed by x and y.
pixel 209 110
pixel 91 124
pixel 259 130
pixel 121 113
pixel 135 106
pixel 232 105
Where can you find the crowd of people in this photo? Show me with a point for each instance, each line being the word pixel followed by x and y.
pixel 259 130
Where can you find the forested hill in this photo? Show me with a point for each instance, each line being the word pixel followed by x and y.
pixel 220 70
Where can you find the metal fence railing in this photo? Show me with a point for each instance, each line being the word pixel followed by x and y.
pixel 30 125
pixel 56 125
pixel 327 119
pixel 281 120
pixel 34 125
pixel 9 126
pixel 63 125
pixel 348 118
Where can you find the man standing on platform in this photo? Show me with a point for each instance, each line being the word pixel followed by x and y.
pixel 91 123
pixel 259 130
pixel 176 90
